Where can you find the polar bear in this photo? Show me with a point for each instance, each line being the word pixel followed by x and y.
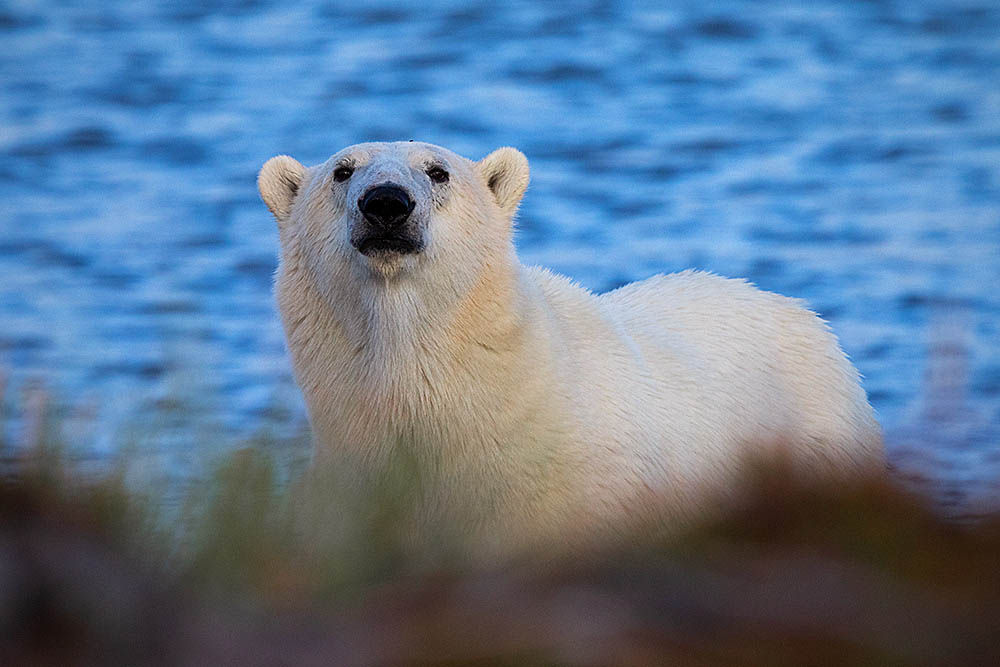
pixel 546 413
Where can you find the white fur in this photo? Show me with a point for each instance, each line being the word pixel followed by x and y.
pixel 547 413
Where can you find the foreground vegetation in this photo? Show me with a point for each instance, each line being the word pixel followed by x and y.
pixel 253 569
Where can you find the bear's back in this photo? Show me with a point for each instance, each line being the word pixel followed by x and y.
pixel 761 365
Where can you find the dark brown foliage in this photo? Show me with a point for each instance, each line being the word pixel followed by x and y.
pixel 815 576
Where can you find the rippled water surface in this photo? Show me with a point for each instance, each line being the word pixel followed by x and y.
pixel 843 152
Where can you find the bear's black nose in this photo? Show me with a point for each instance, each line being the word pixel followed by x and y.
pixel 386 206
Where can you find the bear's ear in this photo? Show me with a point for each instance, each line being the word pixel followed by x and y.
pixel 506 173
pixel 279 181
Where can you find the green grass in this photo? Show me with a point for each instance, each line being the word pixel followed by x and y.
pixel 257 565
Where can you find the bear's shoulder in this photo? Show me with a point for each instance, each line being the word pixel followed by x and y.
pixel 693 287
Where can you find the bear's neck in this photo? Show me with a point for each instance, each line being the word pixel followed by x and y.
pixel 401 321
pixel 378 363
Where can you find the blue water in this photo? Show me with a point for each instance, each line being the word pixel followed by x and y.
pixel 843 152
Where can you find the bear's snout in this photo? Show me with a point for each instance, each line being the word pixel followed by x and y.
pixel 386 206
pixel 388 228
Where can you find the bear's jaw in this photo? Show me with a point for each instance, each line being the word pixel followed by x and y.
pixel 387 251
pixel 376 247
pixel 386 265
pixel 384 255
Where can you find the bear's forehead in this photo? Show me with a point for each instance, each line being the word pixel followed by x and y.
pixel 396 150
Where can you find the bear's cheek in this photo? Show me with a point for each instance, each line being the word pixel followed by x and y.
pixel 446 238
pixel 323 232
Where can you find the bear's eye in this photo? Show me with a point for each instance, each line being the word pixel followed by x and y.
pixel 341 174
pixel 438 175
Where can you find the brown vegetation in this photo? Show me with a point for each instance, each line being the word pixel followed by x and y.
pixel 258 572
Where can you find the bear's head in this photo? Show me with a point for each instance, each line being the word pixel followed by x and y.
pixel 385 210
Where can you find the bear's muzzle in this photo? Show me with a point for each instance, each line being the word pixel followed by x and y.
pixel 386 206
pixel 386 209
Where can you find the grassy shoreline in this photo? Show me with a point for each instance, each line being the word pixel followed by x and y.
pixel 266 564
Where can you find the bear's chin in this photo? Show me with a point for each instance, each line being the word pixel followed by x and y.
pixel 387 256
pixel 385 265
pixel 387 246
